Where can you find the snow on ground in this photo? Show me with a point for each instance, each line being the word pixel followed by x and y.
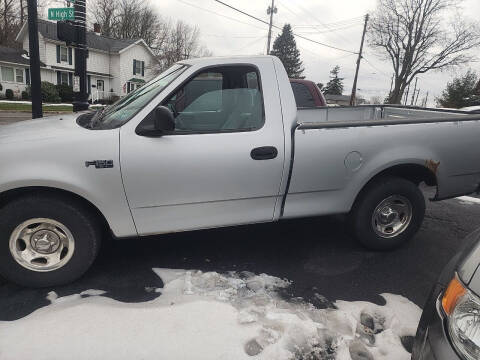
pixel 468 200
pixel 210 316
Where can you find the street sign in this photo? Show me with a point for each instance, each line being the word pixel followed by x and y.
pixel 76 83
pixel 61 14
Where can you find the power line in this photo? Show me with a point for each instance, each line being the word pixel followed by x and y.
pixel 250 43
pixel 309 31
pixel 277 27
pixel 232 36
pixel 242 12
pixel 333 24
pixel 376 68
pixel 218 14
pixel 316 19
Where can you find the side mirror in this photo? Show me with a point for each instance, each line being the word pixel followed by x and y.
pixel 164 121
pixel 158 123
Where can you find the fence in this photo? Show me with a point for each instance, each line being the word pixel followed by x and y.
pixel 104 96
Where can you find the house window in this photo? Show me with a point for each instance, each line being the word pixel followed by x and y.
pixel 137 67
pixel 19 75
pixel 63 78
pixel 7 74
pixel 63 54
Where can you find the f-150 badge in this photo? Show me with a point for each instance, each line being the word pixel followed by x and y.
pixel 100 164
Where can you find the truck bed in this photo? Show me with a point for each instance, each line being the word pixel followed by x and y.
pixel 371 115
pixel 339 149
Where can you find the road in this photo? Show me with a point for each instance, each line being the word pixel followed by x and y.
pixel 8 117
pixel 317 254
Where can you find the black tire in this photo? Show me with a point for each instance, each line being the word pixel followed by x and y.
pixel 360 217
pixel 83 225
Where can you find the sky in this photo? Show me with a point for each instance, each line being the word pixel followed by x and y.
pixel 226 32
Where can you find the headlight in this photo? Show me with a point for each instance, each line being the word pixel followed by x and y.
pixel 463 316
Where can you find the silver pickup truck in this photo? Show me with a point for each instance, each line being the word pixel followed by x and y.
pixel 218 142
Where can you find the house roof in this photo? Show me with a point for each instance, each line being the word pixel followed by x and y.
pixel 48 30
pixel 139 81
pixel 16 56
pixel 332 97
pixel 337 97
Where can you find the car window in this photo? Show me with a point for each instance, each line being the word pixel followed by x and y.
pixel 228 99
pixel 302 94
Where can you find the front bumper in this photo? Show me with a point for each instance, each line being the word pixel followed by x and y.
pixel 432 340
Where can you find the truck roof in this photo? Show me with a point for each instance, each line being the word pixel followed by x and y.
pixel 216 59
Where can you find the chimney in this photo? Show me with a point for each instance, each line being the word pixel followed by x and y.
pixel 97 28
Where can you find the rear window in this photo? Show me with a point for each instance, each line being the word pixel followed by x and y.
pixel 302 94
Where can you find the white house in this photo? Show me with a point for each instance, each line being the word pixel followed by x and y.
pixel 114 67
pixel 14 70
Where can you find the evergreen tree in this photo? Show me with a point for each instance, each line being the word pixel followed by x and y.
pixel 285 48
pixel 335 85
pixel 461 92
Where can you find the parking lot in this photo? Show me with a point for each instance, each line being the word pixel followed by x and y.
pixel 317 255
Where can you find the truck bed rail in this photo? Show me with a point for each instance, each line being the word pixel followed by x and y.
pixel 378 115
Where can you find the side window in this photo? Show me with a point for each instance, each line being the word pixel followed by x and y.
pixel 303 97
pixel 191 95
pixel 220 99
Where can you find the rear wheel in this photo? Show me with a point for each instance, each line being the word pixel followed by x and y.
pixel 46 241
pixel 387 213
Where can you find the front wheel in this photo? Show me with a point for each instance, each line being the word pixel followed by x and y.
pixel 46 240
pixel 387 213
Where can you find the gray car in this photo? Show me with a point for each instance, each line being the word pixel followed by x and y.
pixel 450 324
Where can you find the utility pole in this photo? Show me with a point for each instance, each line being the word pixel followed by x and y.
pixel 34 54
pixel 270 11
pixel 406 95
pixel 80 79
pixel 22 12
pixel 426 100
pixel 414 92
pixel 416 99
pixel 354 88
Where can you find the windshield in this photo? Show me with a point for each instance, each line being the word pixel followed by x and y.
pixel 124 109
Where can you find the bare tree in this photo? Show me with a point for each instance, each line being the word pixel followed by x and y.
pixel 9 22
pixel 129 19
pixel 415 36
pixel 182 42
pixel 134 19
pixel 376 100
pixel 103 12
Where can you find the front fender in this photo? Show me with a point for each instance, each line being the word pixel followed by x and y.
pixel 59 163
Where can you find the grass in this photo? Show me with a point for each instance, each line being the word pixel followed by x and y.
pixel 28 107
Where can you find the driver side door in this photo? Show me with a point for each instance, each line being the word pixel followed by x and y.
pixel 205 173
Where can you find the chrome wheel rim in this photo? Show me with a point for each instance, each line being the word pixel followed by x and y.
pixel 392 216
pixel 42 245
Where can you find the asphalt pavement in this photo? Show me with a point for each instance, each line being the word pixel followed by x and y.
pixel 316 254
pixel 9 117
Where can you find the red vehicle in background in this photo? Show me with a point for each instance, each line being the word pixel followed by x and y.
pixel 307 94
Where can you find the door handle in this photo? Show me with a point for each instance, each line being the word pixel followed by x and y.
pixel 264 153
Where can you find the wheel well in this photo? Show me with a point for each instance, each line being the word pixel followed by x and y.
pixel 412 172
pixel 13 194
